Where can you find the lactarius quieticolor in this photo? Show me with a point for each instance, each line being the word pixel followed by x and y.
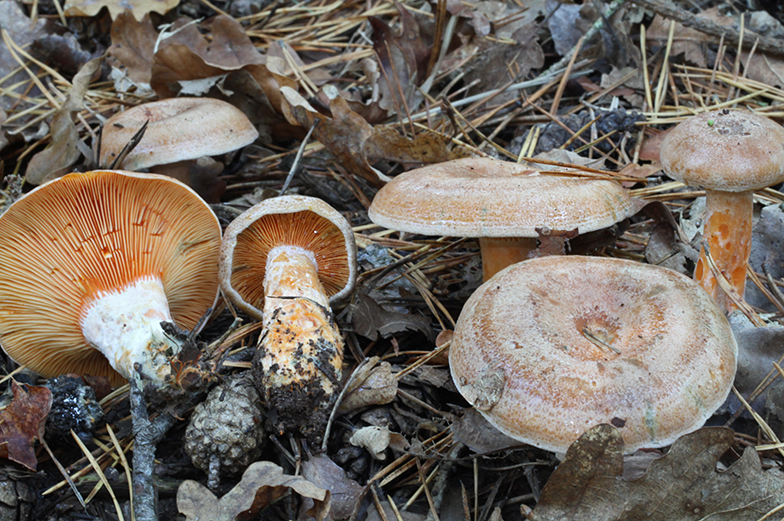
pixel 730 153
pixel 283 261
pixel 178 129
pixel 501 203
pixel 550 347
pixel 93 263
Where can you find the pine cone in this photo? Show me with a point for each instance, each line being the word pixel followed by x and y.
pixel 225 433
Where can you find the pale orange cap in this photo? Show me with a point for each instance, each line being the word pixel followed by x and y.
pixel 482 197
pixel 725 150
pixel 551 347
pixel 179 129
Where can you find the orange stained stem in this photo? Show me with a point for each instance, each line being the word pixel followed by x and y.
pixel 500 252
pixel 728 235
pixel 297 321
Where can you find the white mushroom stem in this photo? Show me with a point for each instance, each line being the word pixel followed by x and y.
pixel 300 354
pixel 125 326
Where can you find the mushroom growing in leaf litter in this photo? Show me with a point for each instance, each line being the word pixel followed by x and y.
pixel 500 202
pixel 178 129
pixel 92 264
pixel 283 261
pixel 730 153
pixel 551 347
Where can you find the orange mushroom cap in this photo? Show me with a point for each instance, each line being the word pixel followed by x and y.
pixel 550 347
pixel 482 197
pixel 301 221
pixel 178 129
pixel 725 150
pixel 81 237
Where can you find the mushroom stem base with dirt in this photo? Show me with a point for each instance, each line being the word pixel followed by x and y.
pixel 299 360
pixel 125 326
pixel 500 252
pixel 728 235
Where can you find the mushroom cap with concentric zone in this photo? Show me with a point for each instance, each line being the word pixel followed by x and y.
pixel 725 150
pixel 291 220
pixel 83 236
pixel 550 347
pixel 178 129
pixel 482 197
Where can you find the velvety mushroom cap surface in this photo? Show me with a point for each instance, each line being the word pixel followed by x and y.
pixel 481 197
pixel 550 347
pixel 306 222
pixel 178 129
pixel 84 236
pixel 725 150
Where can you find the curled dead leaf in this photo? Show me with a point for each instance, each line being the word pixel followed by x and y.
pixel 682 485
pixel 261 484
pixel 139 8
pixel 376 386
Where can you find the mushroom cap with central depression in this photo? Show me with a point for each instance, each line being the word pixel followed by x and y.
pixel 550 347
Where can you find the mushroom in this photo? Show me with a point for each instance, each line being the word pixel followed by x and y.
pixel 93 263
pixel 501 203
pixel 550 347
pixel 179 131
pixel 730 153
pixel 283 261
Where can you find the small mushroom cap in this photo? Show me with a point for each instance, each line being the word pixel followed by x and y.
pixel 85 235
pixel 291 220
pixel 725 150
pixel 178 129
pixel 550 347
pixel 481 197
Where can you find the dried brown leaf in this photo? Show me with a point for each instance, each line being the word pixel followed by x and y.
pixel 61 52
pixel 376 387
pixel 188 55
pixel 371 320
pixel 344 493
pixel 261 484
pixel 426 147
pixel 132 49
pixel 552 242
pixel 139 8
pixel 478 434
pixel 403 57
pixel 64 151
pixel 22 422
pixel 683 485
pixel 22 31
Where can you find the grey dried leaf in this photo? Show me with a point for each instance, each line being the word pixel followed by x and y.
pixel 345 493
pixel 376 387
pixel 479 435
pixel 371 320
pixel 684 485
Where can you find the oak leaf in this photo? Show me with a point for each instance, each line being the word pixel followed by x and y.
pixel 22 422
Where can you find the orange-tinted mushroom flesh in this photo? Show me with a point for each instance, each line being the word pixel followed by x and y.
pixel 287 256
pixel 730 153
pixel 728 235
pixel 76 247
pixel 550 347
